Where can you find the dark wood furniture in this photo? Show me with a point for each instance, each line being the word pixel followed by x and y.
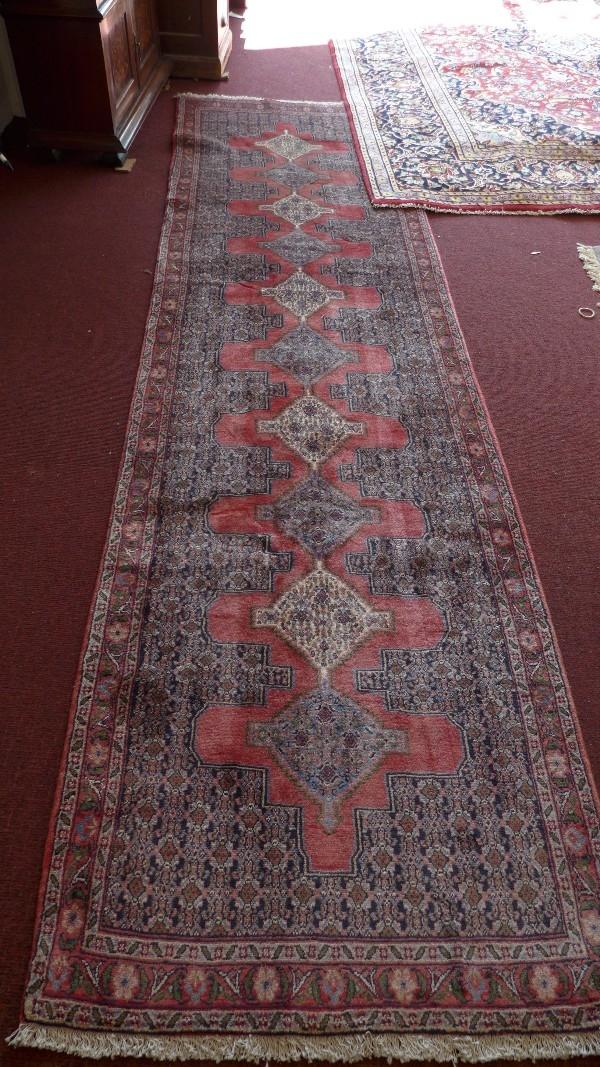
pixel 88 71
pixel 196 36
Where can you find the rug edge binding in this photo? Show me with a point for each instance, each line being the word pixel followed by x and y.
pixel 331 1049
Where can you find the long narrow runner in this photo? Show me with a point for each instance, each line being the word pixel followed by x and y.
pixel 500 115
pixel 323 793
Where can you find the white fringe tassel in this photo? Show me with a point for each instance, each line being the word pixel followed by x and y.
pixel 345 1048
pixel 589 257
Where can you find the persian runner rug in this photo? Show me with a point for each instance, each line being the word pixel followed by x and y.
pixel 480 118
pixel 323 792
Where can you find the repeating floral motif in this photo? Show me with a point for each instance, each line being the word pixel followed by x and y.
pixel 179 894
pixel 480 118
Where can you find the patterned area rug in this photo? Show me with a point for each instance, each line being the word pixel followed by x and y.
pixel 481 118
pixel 323 792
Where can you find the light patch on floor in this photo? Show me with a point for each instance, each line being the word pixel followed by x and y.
pixel 273 24
pixel 277 24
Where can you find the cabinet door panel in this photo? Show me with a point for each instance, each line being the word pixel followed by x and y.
pixel 145 24
pixel 119 49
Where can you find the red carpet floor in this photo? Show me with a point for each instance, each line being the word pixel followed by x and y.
pixel 78 253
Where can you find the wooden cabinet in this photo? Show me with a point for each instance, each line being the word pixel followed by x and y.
pixel 196 36
pixel 88 72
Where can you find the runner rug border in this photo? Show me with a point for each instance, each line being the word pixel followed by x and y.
pixel 335 1047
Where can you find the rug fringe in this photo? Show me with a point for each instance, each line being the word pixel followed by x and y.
pixel 591 263
pixel 257 99
pixel 348 1048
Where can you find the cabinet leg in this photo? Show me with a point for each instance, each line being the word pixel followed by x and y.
pixel 113 159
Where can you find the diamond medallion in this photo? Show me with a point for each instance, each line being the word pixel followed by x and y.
pixel 329 745
pixel 296 209
pixel 300 247
pixel 305 353
pixel 323 618
pixel 289 146
pixel 290 174
pixel 318 515
pixel 302 294
pixel 311 428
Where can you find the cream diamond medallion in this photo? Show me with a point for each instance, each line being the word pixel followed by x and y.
pixel 296 209
pixel 323 618
pixel 289 146
pixel 311 428
pixel 302 294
